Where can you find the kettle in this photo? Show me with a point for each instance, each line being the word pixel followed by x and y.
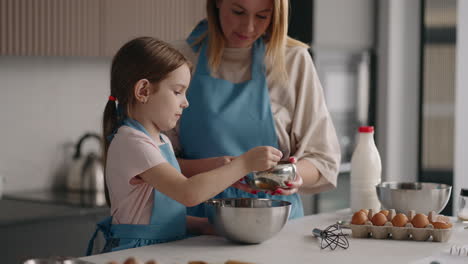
pixel 86 173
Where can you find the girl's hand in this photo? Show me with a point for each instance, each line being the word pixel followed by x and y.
pixel 244 187
pixel 261 158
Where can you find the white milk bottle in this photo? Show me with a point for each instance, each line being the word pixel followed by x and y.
pixel 366 170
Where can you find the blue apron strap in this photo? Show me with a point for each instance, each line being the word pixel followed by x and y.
pixel 202 66
pixel 200 29
pixel 136 125
pixel 103 226
pixel 89 251
pixel 258 54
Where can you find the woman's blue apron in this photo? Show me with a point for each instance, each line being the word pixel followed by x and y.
pixel 228 119
pixel 167 222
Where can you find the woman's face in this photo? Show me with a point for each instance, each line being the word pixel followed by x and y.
pixel 244 21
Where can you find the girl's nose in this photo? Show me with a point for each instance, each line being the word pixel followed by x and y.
pixel 185 103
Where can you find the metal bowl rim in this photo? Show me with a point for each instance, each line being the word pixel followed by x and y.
pixel 388 186
pixel 282 202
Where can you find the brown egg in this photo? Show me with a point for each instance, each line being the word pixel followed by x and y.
pixel 365 211
pixel 440 218
pixel 385 212
pixel 359 218
pixel 131 260
pixel 420 221
pixel 379 219
pixel 441 225
pixel 400 220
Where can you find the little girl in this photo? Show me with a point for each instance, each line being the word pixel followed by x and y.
pixel 147 192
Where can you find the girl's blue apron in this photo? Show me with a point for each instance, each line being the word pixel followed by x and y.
pixel 167 222
pixel 225 118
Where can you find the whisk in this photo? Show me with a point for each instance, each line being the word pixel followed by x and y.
pixel 331 237
pixel 459 250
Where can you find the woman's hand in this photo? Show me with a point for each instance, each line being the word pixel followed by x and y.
pixel 293 186
pixel 258 159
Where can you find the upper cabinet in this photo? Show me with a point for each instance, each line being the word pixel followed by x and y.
pixel 90 27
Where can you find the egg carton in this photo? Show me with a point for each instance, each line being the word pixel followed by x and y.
pixel 408 232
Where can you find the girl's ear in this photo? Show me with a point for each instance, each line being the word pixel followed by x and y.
pixel 142 90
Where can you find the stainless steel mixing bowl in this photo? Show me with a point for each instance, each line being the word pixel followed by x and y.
pixel 248 220
pixel 422 197
pixel 55 260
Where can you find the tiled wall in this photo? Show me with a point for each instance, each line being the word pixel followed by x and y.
pixel 46 104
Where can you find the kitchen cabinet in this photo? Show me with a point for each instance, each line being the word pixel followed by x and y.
pixel 31 230
pixel 90 27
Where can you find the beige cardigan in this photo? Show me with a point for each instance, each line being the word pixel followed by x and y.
pixel 302 121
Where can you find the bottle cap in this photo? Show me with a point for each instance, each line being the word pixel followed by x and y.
pixel 464 192
pixel 366 129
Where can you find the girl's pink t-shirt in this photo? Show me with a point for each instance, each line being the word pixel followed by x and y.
pixel 131 153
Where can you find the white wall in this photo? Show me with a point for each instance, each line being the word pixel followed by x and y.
pixel 398 89
pixel 46 103
pixel 343 24
pixel 461 106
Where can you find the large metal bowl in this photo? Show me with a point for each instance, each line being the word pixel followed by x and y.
pixel 247 220
pixel 55 260
pixel 423 197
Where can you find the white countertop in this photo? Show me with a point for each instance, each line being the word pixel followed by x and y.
pixel 295 244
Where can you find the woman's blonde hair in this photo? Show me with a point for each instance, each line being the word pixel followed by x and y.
pixel 276 37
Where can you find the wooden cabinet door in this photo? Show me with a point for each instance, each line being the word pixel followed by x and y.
pixel 49 27
pixel 167 20
pixel 90 27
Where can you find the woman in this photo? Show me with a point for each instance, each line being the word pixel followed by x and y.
pixel 254 86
